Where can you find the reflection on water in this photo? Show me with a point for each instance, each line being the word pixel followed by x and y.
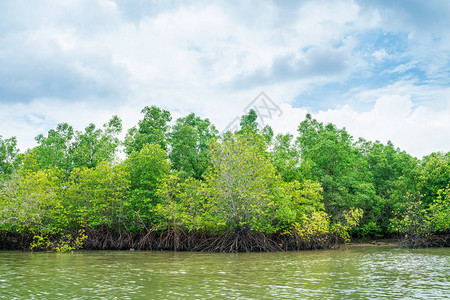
pixel 359 273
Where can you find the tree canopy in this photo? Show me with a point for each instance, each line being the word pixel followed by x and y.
pixel 182 186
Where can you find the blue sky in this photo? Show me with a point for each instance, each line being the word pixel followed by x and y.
pixel 379 68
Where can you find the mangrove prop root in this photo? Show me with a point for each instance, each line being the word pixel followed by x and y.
pixel 231 241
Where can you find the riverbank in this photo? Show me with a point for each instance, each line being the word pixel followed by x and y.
pixel 229 242
pixel 417 241
pixel 374 243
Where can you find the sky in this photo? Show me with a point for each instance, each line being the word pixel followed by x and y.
pixel 381 69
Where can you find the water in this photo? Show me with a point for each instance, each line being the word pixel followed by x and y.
pixel 358 273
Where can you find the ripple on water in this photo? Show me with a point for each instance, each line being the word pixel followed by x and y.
pixel 373 272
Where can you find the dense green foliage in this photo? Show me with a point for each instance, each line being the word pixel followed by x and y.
pixel 8 154
pixel 185 187
pixel 189 142
pixel 152 129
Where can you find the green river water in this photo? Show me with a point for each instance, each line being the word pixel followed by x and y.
pixel 357 273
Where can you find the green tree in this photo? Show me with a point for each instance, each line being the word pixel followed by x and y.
pixel 189 142
pixel 145 169
pixel 387 164
pixel 248 121
pixel 423 225
pixel 32 203
pixel 422 200
pixel 245 192
pixel 433 175
pixel 392 171
pixel 438 213
pixel 94 197
pixel 152 129
pixel 95 145
pixel 8 155
pixel 54 150
pixel 286 159
pixel 341 169
pixel 184 204
pixel 306 196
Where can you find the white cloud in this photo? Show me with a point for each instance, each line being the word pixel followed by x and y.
pixel 434 94
pixel 380 54
pixel 417 130
pixel 26 121
pixel 402 68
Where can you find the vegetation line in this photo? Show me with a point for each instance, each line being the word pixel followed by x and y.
pixel 184 187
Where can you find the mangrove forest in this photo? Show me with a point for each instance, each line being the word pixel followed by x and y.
pixel 180 185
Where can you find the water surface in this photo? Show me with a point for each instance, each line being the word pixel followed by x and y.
pixel 358 273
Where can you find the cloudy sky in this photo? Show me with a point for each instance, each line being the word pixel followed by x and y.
pixel 379 68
